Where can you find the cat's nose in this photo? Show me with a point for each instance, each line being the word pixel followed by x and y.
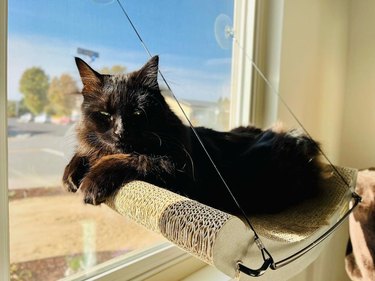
pixel 117 132
pixel 118 128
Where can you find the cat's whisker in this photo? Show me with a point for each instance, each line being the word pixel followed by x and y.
pixel 191 161
pixel 144 111
pixel 156 135
pixel 177 143
pixel 98 145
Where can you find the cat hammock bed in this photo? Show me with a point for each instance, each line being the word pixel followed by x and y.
pixel 223 240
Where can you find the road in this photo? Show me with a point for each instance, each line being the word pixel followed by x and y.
pixel 38 153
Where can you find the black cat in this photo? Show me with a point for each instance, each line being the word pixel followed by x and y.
pixel 128 132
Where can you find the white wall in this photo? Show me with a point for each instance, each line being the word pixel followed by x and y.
pixel 358 130
pixel 313 75
pixel 327 77
pixel 313 67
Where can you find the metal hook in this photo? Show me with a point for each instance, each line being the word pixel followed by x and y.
pixel 255 272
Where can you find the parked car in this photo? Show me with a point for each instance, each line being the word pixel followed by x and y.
pixel 25 118
pixel 42 118
pixel 65 120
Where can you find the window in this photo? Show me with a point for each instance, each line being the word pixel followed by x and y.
pixel 301 54
pixel 49 228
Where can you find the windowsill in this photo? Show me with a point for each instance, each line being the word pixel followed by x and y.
pixel 161 262
pixel 207 273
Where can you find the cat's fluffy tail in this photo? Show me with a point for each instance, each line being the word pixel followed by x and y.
pixel 288 164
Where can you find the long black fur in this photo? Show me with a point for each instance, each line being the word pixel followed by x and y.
pixel 128 132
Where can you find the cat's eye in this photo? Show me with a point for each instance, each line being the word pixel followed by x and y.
pixel 137 113
pixel 104 113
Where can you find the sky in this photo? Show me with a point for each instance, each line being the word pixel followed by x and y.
pixel 47 34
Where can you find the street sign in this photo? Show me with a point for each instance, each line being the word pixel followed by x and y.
pixel 93 55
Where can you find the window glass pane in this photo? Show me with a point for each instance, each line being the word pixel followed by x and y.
pixel 53 234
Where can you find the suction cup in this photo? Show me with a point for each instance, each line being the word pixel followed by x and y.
pixel 223 31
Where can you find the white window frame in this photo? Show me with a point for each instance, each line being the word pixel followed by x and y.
pixel 257 31
pixel 4 206
pixel 165 261
pixel 242 70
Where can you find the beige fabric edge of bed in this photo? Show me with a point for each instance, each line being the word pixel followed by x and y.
pixel 221 239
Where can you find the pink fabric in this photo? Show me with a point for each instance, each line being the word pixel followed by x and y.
pixel 360 256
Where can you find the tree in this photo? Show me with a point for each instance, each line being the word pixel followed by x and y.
pixel 62 95
pixel 12 108
pixel 115 69
pixel 16 108
pixel 33 85
pixel 22 109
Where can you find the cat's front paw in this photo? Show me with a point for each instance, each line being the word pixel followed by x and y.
pixel 68 184
pixel 94 191
pixel 107 176
pixel 74 172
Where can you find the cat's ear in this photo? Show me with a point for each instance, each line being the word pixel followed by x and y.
pixel 148 74
pixel 90 78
